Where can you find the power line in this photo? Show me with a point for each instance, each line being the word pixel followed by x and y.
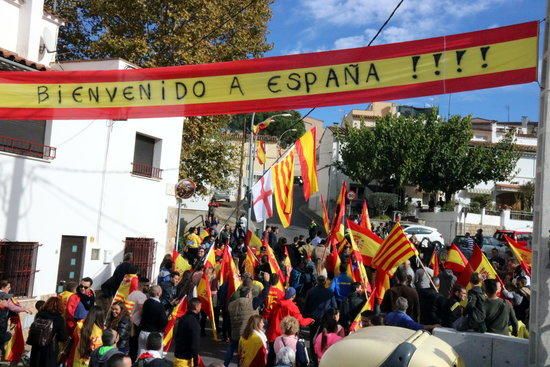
pixel 385 23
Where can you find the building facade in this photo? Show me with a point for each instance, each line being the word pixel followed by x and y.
pixel 76 195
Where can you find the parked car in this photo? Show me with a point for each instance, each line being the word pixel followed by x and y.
pixel 522 237
pixel 424 232
pixel 488 244
pixel 221 196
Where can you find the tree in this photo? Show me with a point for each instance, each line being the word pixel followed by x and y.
pixel 527 192
pixel 382 201
pixel 154 33
pixel 452 163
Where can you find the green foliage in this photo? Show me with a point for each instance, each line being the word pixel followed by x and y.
pixel 382 201
pixel 527 192
pixel 484 200
pixel 276 128
pixel 448 206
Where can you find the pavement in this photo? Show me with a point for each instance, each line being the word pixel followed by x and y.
pixel 211 351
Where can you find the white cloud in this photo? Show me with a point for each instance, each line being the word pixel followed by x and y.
pixel 349 42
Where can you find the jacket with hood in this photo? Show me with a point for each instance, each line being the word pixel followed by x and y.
pixel 101 355
pixel 284 308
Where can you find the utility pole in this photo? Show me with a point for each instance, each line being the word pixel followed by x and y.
pixel 250 172
pixel 539 312
pixel 241 174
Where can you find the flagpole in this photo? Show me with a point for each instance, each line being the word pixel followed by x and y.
pixel 428 274
pixel 250 173
pixel 263 173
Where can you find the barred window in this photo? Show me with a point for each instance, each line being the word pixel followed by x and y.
pixel 143 250
pixel 18 266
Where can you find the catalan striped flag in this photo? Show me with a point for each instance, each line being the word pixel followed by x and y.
pixel 283 185
pixel 365 219
pixel 356 323
pixel 337 233
pixel 252 352
pixel 274 264
pixel 181 265
pixel 177 312
pixel 260 151
pixel 14 348
pixel 456 261
pixel 129 284
pixel 326 220
pixel 204 294
pixel 367 241
pixel 395 250
pixel 305 147
pixel 522 254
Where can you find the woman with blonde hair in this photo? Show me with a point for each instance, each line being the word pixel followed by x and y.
pixel 253 344
pixel 289 339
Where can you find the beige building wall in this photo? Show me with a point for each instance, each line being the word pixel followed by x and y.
pixel 368 116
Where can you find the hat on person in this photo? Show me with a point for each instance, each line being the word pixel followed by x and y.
pixel 290 292
pixel 5 296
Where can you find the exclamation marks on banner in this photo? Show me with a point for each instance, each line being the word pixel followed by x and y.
pixel 459 55
pixel 415 63
pixel 484 51
pixel 437 57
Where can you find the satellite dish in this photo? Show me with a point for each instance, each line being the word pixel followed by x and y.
pixel 47 46
pixel 185 188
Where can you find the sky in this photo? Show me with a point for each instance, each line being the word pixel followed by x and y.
pixel 301 26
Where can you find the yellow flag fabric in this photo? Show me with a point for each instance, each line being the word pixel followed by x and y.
pixel 181 265
pixel 260 149
pixel 326 220
pixel 252 352
pixel 95 342
pixel 368 243
pixel 305 147
pixel 283 185
pixel 127 286
pixel 204 294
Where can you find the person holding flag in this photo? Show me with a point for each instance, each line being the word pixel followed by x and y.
pixel 188 335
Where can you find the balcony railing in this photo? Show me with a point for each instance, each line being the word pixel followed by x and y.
pixel 145 170
pixel 26 147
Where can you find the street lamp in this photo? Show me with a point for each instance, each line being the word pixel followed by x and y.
pixel 251 161
pixel 279 141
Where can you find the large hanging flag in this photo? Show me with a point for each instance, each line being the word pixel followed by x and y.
pixel 129 283
pixel 283 182
pixel 305 147
pixel 456 261
pixel 181 265
pixel 262 199
pixel 522 254
pixel 260 151
pixel 14 348
pixel 177 312
pixel 365 219
pixel 251 240
pixel 367 241
pixel 478 264
pixel 434 263
pixel 395 250
pixel 204 294
pixel 229 272
pixel 326 220
pixel 440 65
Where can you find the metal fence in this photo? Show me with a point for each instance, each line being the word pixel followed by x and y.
pixel 143 251
pixel 18 266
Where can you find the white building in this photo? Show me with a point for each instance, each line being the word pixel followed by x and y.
pixel 75 195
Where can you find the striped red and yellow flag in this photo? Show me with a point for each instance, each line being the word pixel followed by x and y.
pixel 522 254
pixel 283 188
pixel 365 219
pixel 337 233
pixel 368 243
pixel 261 126
pixel 326 220
pixel 177 312
pixel 260 151
pixel 434 263
pixel 129 284
pixel 252 352
pixel 381 285
pixel 181 265
pixel 274 264
pixel 395 250
pixel 15 347
pixel 305 147
pixel 204 294
pixel 456 261
pixel 210 258
pixel 356 323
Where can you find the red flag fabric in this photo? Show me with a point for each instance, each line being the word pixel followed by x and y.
pixel 14 348
pixel 305 147
pixel 229 272
pixel 522 254
pixel 368 243
pixel 177 312
pixel 204 294
pixel 326 220
pixel 456 261
pixel 337 231
pixel 395 250
pixel 434 263
pixel 365 219
pixel 478 264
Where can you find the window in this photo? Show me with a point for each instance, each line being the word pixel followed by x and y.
pixel 26 138
pixel 147 157
pixel 143 250
pixel 18 266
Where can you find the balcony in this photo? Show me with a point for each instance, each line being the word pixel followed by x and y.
pixel 145 170
pixel 27 148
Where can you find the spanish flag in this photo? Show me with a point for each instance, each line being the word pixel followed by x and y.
pixel 523 254
pixel 252 351
pixel 181 265
pixel 260 151
pixel 283 188
pixel 478 264
pixel 14 348
pixel 333 261
pixel 367 241
pixel 251 240
pixel 250 262
pixel 129 284
pixel 365 219
pixel 210 258
pixel 395 250
pixel 337 233
pixel 381 285
pixel 456 261
pixel 305 147
pixel 261 126
pixel 229 272
pixel 204 294
pixel 356 323
pixel 434 263
pixel 326 220
pixel 177 312
pixel 274 265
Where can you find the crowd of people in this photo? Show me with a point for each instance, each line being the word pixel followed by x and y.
pixel 283 318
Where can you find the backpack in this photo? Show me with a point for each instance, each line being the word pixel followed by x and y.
pixel 41 333
pixel 475 312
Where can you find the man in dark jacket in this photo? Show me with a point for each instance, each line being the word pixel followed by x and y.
pixel 353 304
pixel 170 291
pixel 153 317
pixel 499 313
pixel 431 304
pixel 453 309
pixel 405 291
pixel 109 288
pixel 188 335
pixel 475 309
pixel 101 355
pixel 319 299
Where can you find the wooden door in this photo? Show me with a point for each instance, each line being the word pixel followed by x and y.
pixel 71 259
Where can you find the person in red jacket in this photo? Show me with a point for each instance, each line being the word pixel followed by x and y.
pixel 273 297
pixel 285 307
